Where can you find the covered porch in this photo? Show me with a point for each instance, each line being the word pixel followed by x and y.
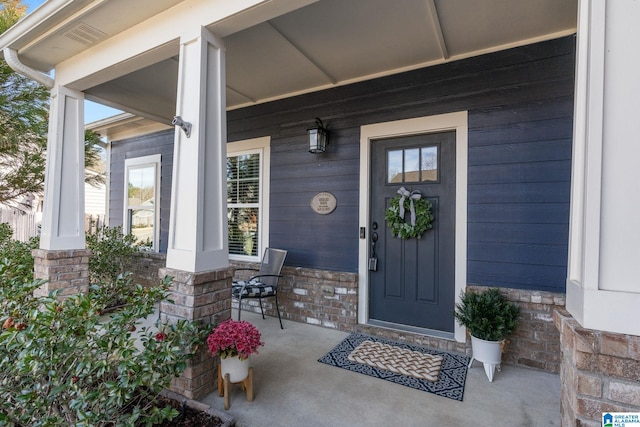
pixel 291 388
pixel 212 63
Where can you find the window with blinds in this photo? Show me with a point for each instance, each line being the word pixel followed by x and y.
pixel 243 203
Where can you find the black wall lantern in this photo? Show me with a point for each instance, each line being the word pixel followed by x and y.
pixel 318 138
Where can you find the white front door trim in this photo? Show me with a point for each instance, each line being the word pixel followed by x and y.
pixel 444 122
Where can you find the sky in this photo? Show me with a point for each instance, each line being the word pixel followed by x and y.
pixel 92 110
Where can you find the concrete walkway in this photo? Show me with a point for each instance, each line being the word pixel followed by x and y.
pixel 291 388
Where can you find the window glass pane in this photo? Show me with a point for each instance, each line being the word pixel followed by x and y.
pixel 394 166
pixel 243 202
pixel 142 185
pixel 412 165
pixel 232 191
pixel 248 166
pixel 232 168
pixel 248 191
pixel 141 225
pixel 140 203
pixel 429 163
pixel 243 231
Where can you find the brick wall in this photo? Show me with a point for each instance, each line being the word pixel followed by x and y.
pixel 316 297
pixel 66 271
pixel 203 297
pixel 330 299
pixel 600 372
pixel 536 341
pixel 145 266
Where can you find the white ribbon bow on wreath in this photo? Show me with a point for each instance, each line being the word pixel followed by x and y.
pixel 414 195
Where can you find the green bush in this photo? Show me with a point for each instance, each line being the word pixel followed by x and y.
pixel 17 254
pixel 66 363
pixel 111 257
pixel 111 253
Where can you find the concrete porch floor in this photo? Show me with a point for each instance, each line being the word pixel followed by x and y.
pixel 291 388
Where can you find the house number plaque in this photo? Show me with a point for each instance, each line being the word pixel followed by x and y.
pixel 323 203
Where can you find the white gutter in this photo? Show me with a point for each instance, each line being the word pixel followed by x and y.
pixel 11 56
pixel 33 22
pixel 10 40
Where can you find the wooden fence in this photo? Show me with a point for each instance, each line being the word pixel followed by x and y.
pixel 93 223
pixel 25 226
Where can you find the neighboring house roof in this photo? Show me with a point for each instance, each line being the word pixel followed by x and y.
pixel 274 49
pixel 125 125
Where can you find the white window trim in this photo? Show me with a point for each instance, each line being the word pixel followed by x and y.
pixel 140 161
pixel 263 146
pixel 443 122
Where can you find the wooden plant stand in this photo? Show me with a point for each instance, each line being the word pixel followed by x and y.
pixel 223 386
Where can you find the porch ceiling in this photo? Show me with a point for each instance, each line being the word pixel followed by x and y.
pixel 327 43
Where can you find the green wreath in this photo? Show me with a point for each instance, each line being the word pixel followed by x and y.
pixel 423 215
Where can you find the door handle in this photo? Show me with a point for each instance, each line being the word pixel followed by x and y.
pixel 373 259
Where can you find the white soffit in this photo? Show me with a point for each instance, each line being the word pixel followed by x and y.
pixel 479 25
pixel 261 63
pixel 336 42
pixel 355 38
pixel 89 25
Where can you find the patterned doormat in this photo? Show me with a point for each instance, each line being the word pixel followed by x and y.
pixel 441 373
pixel 397 359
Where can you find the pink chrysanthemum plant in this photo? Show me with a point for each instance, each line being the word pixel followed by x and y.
pixel 234 338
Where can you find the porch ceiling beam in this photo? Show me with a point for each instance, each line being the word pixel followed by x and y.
pixel 437 28
pixel 304 54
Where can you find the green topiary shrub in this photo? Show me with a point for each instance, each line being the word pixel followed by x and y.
pixel 65 363
pixel 487 315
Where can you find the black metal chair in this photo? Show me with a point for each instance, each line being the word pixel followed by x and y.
pixel 262 285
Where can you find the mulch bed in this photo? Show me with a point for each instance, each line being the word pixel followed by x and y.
pixel 190 417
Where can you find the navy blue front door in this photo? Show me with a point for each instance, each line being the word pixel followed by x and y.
pixel 414 280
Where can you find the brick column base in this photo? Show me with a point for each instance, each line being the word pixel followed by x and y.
pixel 64 270
pixel 203 297
pixel 600 372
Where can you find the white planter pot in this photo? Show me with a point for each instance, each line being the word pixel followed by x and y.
pixel 487 352
pixel 237 369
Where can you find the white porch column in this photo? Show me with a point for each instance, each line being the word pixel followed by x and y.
pixel 198 225
pixel 62 260
pixel 197 255
pixel 603 290
pixel 63 216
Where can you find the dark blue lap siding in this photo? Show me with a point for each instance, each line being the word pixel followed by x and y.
pixel 520 104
